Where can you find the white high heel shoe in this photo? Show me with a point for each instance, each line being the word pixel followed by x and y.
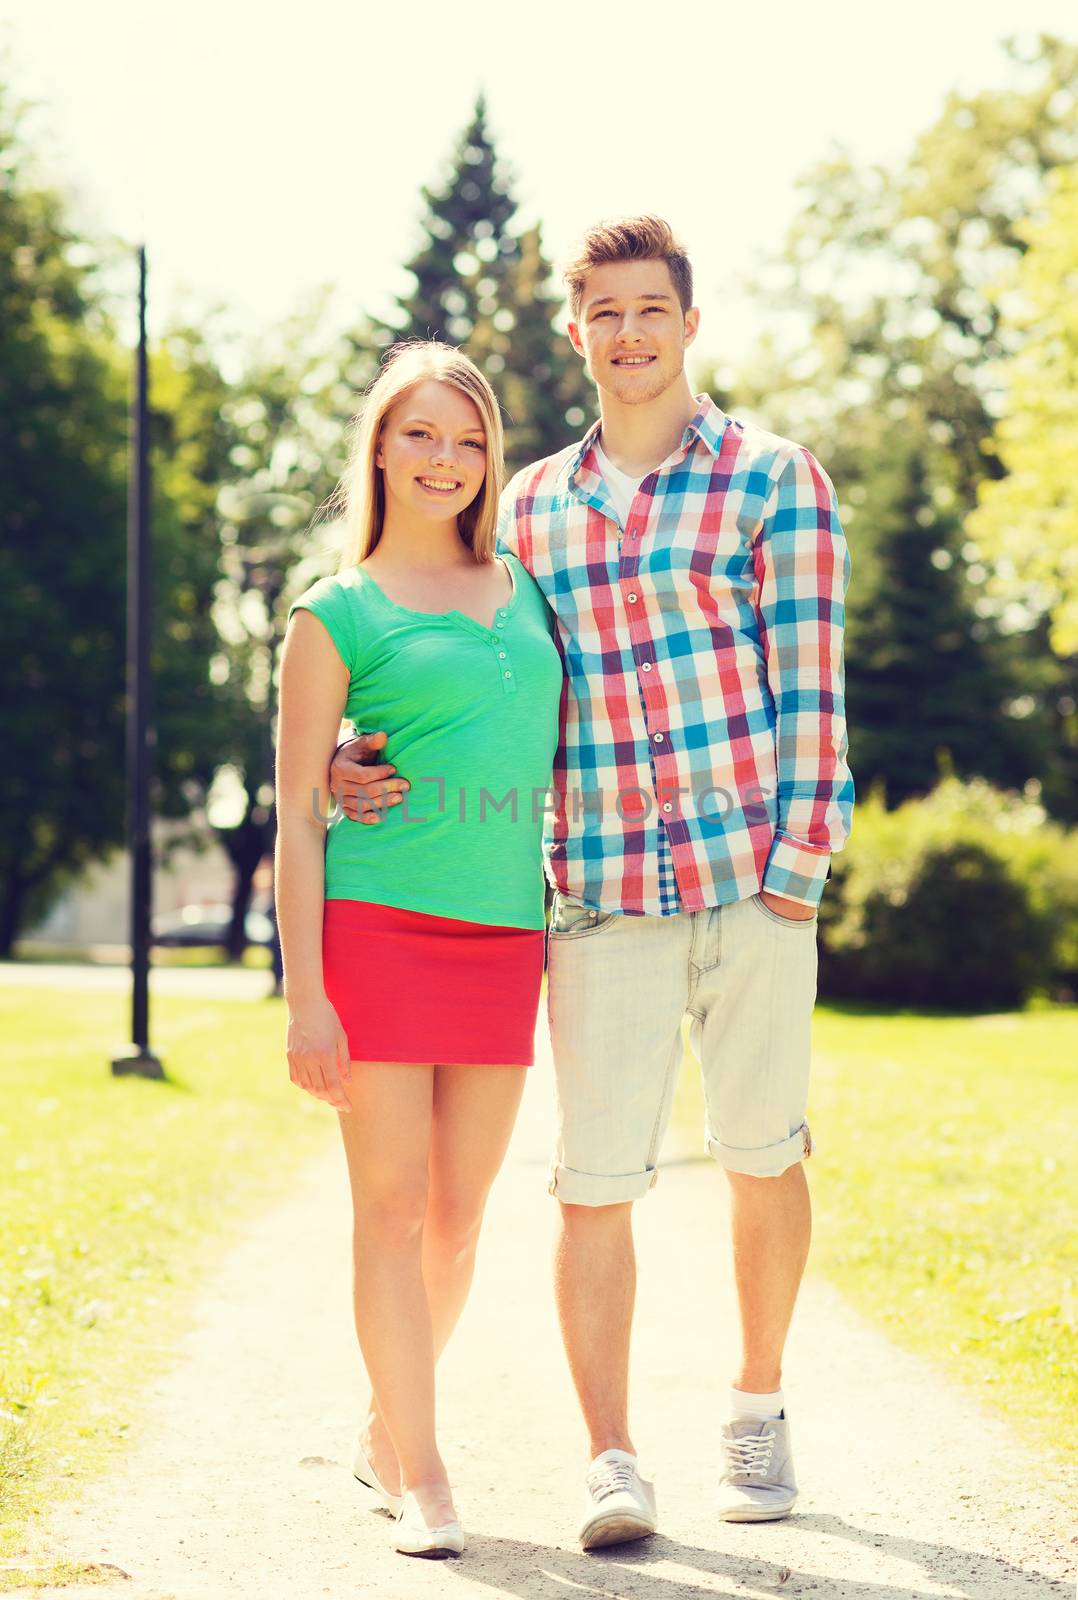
pixel 415 1538
pixel 365 1474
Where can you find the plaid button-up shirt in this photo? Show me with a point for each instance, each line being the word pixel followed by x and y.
pixel 703 747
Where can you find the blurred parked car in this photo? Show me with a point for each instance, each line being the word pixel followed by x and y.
pixel 202 925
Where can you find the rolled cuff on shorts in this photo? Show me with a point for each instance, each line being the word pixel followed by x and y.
pixel 597 1189
pixel 770 1162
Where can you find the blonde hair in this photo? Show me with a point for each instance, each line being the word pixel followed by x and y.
pixel 361 494
pixel 629 239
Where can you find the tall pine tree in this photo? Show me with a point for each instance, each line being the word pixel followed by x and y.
pixel 545 393
pixel 486 288
pixel 928 683
pixel 462 263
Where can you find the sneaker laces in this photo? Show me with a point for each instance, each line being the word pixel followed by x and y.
pixel 750 1455
pixel 610 1477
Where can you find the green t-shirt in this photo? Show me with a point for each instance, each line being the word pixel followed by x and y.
pixel 471 718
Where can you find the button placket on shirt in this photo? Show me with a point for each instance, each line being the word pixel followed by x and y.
pixel 495 639
pixel 629 581
pixel 505 665
pixel 658 747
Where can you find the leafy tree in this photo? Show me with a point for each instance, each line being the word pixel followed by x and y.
pixel 1029 519
pixel 63 492
pixel 286 456
pixel 886 280
pixel 1027 522
pixel 62 509
pixel 893 271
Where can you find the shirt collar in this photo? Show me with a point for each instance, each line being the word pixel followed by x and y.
pixel 707 424
pixel 584 446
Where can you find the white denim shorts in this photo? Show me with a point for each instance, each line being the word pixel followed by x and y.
pixel 619 988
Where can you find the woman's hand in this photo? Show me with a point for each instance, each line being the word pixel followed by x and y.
pixel 318 1054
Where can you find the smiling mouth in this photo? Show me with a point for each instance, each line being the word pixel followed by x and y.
pixel 440 485
pixel 633 361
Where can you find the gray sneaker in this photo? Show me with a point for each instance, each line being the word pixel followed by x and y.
pixel 757 1483
pixel 620 1504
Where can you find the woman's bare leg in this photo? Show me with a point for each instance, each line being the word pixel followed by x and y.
pixel 387 1146
pixel 474 1111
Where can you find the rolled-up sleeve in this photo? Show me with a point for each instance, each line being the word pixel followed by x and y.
pixel 802 568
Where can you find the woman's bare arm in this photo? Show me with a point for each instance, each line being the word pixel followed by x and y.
pixel 313 691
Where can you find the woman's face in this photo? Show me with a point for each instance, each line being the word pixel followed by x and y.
pixel 433 451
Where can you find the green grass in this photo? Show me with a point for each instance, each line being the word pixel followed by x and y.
pixel 117 1194
pixel 256 957
pixel 945 1191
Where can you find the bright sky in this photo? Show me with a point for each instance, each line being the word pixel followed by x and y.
pixel 263 149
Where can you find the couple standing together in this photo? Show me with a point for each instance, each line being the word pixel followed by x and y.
pixel 632 671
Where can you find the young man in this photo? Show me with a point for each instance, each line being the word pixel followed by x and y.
pixel 698 570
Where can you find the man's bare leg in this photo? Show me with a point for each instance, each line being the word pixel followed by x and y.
pixel 595 1289
pixel 772 1225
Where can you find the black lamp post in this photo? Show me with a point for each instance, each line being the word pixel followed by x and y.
pixel 137 1057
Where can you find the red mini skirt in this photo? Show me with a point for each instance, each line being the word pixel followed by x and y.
pixel 414 988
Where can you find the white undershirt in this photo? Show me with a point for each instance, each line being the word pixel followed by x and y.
pixel 621 486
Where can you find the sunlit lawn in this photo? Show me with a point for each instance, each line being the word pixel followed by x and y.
pixel 946 1195
pixel 116 1194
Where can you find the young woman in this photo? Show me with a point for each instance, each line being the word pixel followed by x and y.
pixel 413 950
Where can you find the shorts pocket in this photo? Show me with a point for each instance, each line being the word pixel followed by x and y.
pixel 784 922
pixel 568 920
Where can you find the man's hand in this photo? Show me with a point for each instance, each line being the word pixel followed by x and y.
pixel 362 784
pixel 792 910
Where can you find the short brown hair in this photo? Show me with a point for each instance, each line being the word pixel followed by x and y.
pixel 629 239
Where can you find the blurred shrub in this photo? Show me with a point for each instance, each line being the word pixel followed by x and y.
pixel 967 899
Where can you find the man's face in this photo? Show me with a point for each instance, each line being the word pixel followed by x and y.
pixel 632 331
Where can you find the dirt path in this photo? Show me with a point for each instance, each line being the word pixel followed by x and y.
pixel 240 1486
